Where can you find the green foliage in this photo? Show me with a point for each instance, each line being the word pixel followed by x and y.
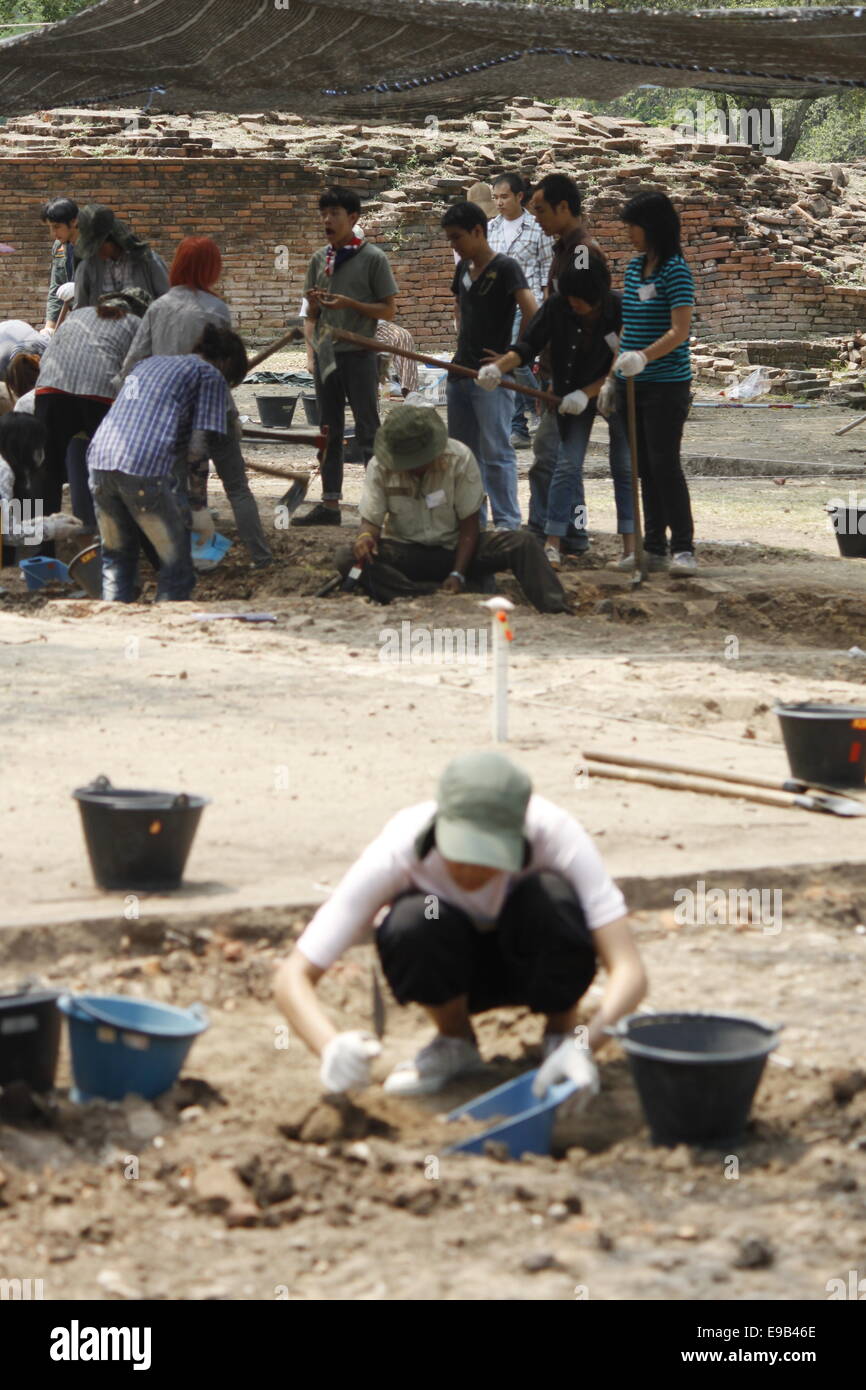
pixel 835 128
pixel 37 12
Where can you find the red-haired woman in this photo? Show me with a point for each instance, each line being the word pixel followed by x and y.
pixel 172 327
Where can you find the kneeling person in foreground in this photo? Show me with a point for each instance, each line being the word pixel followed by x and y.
pixel 495 897
pixel 420 520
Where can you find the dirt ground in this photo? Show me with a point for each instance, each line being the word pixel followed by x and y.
pixel 242 1184
pixel 305 750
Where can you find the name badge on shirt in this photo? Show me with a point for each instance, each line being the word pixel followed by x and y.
pixel 467 280
pixel 645 292
pixel 435 499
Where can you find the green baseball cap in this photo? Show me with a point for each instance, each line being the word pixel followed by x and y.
pixel 481 809
pixel 412 436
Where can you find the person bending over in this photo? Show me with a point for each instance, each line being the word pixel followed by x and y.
pixel 495 897
pixel 173 325
pixel 133 455
pixel 22 523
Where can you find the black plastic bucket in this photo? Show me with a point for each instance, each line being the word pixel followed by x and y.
pixel 86 570
pixel 825 744
pixel 276 412
pixel 137 839
pixel 311 409
pixel 696 1074
pixel 29 1038
pixel 849 523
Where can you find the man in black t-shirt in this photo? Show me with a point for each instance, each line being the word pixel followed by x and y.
pixel 488 288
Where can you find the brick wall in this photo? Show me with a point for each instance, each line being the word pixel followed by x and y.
pixel 254 207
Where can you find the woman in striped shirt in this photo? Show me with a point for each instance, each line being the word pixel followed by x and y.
pixel 658 300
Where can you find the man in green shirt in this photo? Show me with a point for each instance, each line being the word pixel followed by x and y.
pixel 61 214
pixel 350 286
pixel 420 520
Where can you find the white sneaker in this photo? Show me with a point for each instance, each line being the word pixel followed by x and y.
pixel 654 563
pixel 684 563
pixel 553 557
pixel 433 1067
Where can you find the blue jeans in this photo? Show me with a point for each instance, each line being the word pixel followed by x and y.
pixel 526 378
pixel 568 474
pixel 127 505
pixel 482 421
pixel 547 451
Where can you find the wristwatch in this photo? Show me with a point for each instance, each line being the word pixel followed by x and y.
pixel 455 574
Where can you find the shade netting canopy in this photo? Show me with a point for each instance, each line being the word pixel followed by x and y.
pixel 367 59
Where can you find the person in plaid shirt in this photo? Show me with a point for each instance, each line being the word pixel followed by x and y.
pixel 133 454
pixel 515 232
pixel 75 388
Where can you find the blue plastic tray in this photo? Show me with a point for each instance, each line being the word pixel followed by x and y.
pixel 42 570
pixel 529 1126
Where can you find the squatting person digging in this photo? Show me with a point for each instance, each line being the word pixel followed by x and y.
pixel 420 527
pixel 524 911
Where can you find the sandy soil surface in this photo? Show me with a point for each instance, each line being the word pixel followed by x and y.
pixel 306 740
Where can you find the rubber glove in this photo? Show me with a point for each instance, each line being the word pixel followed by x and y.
pixel 65 292
pixel 630 363
pixel 569 1062
pixel 606 399
pixel 489 377
pixel 58 526
pixel 203 527
pixel 346 1061
pixel 574 403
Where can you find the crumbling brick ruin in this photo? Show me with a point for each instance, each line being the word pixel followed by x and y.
pixel 778 250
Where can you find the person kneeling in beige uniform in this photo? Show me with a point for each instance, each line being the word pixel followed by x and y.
pixel 420 520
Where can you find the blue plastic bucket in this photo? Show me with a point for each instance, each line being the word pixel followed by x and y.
pixel 122 1046
pixel 42 570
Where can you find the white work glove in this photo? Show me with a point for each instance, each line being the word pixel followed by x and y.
pixel 59 527
pixel 630 363
pixel 489 377
pixel 569 1062
pixel 606 400
pixel 574 403
pixel 65 292
pixel 203 527
pixel 346 1061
